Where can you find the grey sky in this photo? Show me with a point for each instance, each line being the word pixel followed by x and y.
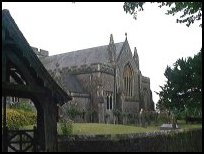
pixel 63 27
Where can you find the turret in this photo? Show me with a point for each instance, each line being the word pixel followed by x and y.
pixel 136 58
pixel 112 50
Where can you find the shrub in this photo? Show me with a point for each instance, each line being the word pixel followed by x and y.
pixel 23 105
pixel 66 127
pixel 116 112
pixel 30 116
pixel 73 113
pixel 26 107
pixel 18 118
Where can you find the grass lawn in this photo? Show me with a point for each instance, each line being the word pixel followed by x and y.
pixel 183 125
pixel 95 128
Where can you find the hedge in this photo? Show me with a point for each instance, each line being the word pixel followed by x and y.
pixel 18 118
pixel 163 141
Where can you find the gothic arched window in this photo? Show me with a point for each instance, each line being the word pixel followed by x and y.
pixel 109 102
pixel 128 80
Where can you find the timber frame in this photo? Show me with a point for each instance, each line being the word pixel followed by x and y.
pixel 32 81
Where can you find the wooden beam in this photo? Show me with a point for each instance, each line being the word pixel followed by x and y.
pixel 21 67
pixel 25 91
pixel 50 123
pixel 4 66
pixel 26 51
pixel 16 77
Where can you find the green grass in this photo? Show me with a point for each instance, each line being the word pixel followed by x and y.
pixel 95 128
pixel 183 125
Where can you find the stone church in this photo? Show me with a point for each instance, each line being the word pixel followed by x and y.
pixel 102 80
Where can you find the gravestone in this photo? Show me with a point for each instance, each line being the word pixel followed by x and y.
pixel 142 118
pixel 168 127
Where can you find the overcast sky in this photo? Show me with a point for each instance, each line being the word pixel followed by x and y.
pixel 64 27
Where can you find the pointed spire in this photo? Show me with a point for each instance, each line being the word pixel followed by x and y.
pixel 136 58
pixel 125 35
pixel 111 49
pixel 135 52
pixel 111 39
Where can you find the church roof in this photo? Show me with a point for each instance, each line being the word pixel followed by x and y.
pixel 81 57
pixel 73 84
pixel 118 48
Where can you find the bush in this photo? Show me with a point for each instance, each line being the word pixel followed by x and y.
pixel 26 107
pixel 17 118
pixel 116 112
pixel 73 113
pixel 66 127
pixel 30 116
pixel 23 105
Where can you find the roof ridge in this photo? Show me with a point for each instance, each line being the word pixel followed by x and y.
pixel 69 52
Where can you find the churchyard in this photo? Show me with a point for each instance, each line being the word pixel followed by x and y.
pixel 115 137
pixel 100 102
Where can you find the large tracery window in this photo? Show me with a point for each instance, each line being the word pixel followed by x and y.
pixel 128 80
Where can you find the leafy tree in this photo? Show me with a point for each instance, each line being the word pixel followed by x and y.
pixel 183 89
pixel 192 11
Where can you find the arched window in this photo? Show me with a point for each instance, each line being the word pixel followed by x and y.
pixel 128 80
pixel 109 102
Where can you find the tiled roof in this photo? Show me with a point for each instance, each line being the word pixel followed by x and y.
pixel 81 57
pixel 72 83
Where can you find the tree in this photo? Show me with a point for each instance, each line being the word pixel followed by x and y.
pixel 192 11
pixel 183 89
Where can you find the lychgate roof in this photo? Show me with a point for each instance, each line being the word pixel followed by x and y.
pixel 11 34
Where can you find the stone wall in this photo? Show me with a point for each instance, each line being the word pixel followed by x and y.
pixel 146 94
pixel 131 107
pixel 100 85
pixel 81 103
pixel 163 141
pixel 92 68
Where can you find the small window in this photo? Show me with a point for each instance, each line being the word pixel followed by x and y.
pixel 111 103
pixel 108 107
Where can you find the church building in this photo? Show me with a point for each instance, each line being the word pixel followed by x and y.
pixel 102 81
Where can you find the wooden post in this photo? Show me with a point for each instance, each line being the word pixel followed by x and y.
pixel 5 78
pixel 5 139
pixel 40 131
pixel 50 124
pixel 34 139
